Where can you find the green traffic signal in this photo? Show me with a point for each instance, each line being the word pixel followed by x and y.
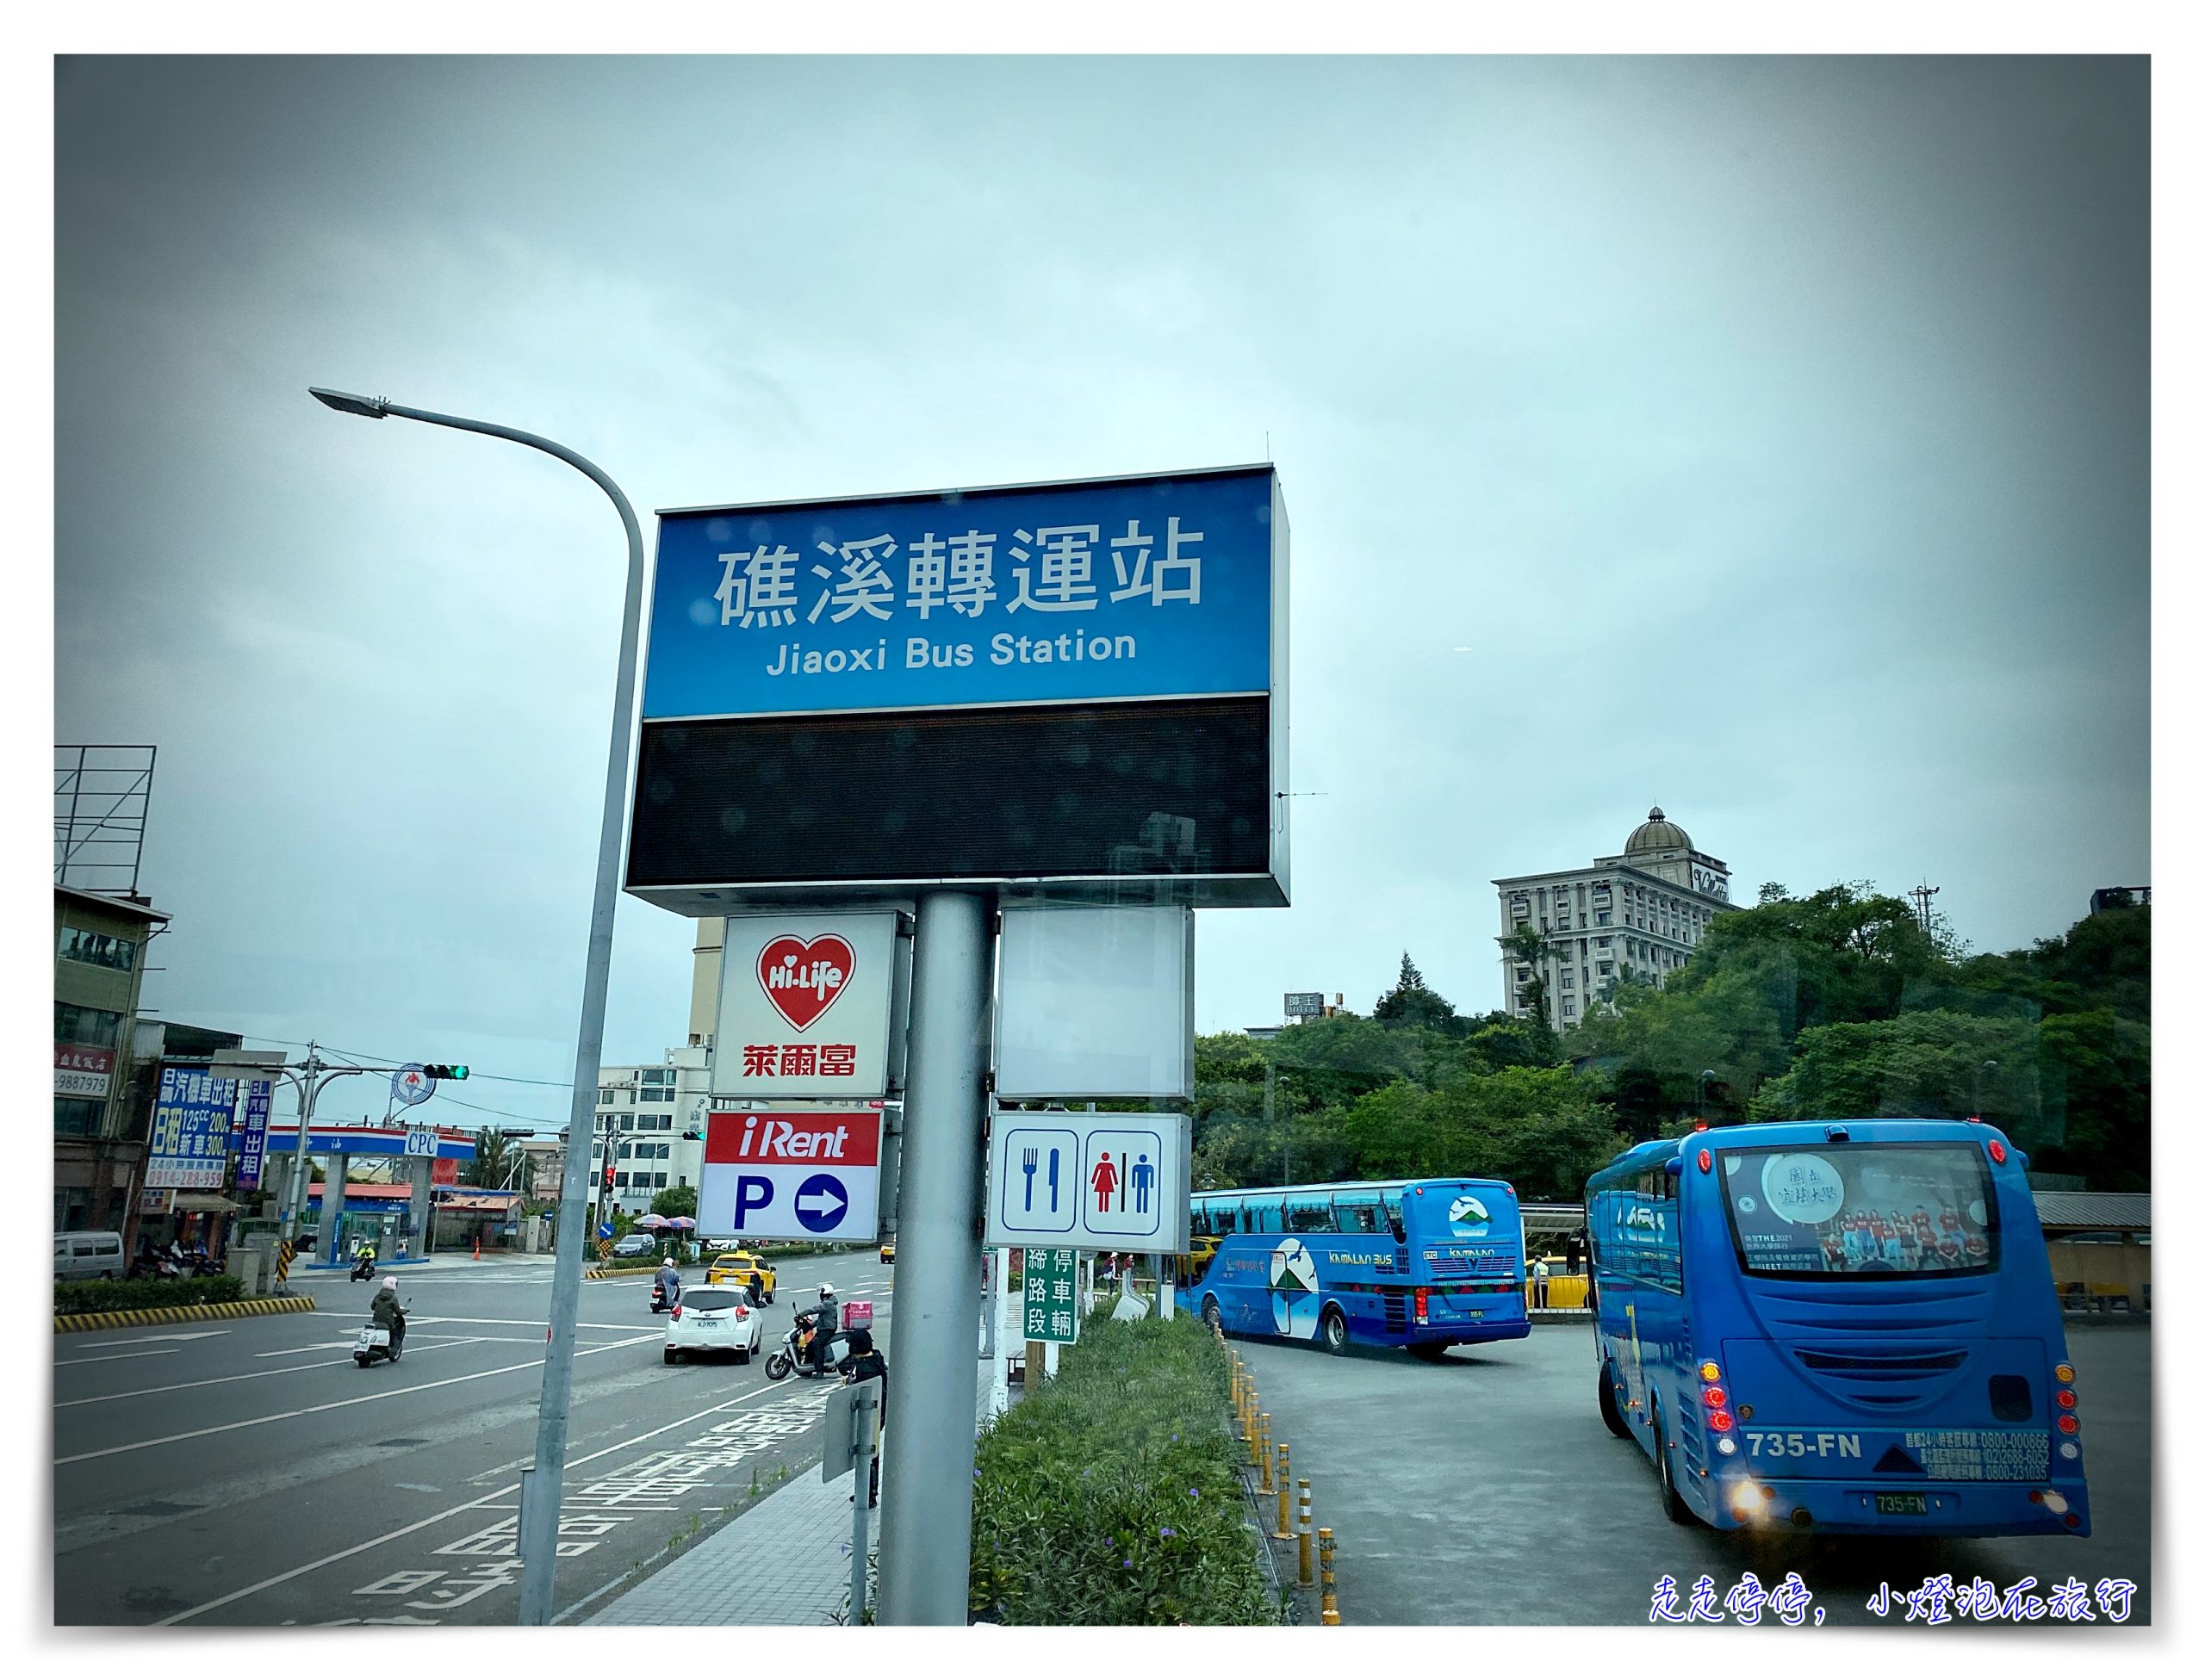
pixel 445 1070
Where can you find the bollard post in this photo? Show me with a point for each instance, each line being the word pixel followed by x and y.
pixel 1307 1575
pixel 1264 1455
pixel 1255 1433
pixel 1331 1607
pixel 1284 1531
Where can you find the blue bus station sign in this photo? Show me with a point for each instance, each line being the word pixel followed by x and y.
pixel 1112 590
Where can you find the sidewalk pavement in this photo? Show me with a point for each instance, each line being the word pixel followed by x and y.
pixel 783 1563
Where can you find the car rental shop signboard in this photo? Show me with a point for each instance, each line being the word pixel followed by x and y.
pixel 1071 683
pixel 805 1177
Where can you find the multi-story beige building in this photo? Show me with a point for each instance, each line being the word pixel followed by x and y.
pixel 1636 915
pixel 653 1120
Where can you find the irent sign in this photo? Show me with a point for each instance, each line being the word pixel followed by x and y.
pixel 792 1175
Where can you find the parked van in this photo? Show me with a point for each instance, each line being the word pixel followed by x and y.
pixel 88 1254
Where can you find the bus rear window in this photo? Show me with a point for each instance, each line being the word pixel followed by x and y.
pixel 1861 1210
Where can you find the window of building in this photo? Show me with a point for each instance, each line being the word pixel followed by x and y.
pixel 75 1025
pixel 1569 1005
pixel 1604 941
pixel 1600 918
pixel 1523 977
pixel 604 1096
pixel 76 1117
pixel 620 1180
pixel 101 950
pixel 1568 978
pixel 627 1123
pixel 1607 969
pixel 658 1181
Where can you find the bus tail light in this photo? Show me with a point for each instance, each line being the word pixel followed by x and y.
pixel 1998 1152
pixel 2064 1373
pixel 1706 1161
pixel 1423 1305
pixel 1710 1372
pixel 1720 1421
pixel 2065 1397
pixel 1714 1399
pixel 2067 1423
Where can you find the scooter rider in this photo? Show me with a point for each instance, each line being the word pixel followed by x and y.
pixel 389 1316
pixel 668 1282
pixel 365 1265
pixel 824 1319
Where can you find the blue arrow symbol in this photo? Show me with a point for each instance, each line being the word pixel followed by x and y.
pixel 820 1202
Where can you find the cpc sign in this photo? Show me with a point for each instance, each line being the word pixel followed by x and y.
pixel 796 1175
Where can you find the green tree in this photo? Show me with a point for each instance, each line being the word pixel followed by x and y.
pixel 1413 1003
pixel 676 1202
pixel 493 1159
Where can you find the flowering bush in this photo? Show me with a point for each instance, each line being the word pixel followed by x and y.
pixel 1108 1495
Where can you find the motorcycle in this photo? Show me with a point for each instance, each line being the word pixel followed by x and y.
pixel 375 1342
pixel 792 1355
pixel 659 1303
pixel 363 1268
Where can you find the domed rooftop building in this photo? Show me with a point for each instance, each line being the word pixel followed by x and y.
pixel 1635 915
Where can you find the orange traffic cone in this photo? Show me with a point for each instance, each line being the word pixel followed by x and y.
pixel 478 1245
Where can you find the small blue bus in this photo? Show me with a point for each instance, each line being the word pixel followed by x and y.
pixel 1417 1263
pixel 1846 1327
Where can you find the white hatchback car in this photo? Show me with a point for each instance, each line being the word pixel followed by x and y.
pixel 714 1320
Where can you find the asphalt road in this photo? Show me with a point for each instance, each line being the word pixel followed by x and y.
pixel 245 1471
pixel 1485 1489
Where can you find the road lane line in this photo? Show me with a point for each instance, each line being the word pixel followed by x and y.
pixel 532 1324
pixel 769 1391
pixel 101 1358
pixel 328 1405
pixel 276 1371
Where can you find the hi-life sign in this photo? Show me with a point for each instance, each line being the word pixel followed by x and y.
pixel 1104 590
pixel 797 1175
pixel 808 1005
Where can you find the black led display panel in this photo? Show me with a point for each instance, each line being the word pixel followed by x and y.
pixel 1141 788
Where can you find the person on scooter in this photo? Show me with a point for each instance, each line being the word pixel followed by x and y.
pixel 668 1283
pixel 824 1318
pixel 365 1265
pixel 389 1316
pixel 861 1364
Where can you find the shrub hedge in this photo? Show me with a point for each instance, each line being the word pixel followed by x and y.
pixel 120 1295
pixel 1109 1497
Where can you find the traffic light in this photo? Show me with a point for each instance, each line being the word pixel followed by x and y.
pixel 608 1174
pixel 445 1070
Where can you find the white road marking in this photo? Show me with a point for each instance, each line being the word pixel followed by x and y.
pixel 172 1336
pixel 533 1323
pixel 430 1521
pixel 280 1371
pixel 417 1487
pixel 308 1411
pixel 101 1358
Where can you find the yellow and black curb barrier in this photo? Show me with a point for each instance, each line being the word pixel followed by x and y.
pixel 1269 1475
pixel 259 1307
pixel 595 1272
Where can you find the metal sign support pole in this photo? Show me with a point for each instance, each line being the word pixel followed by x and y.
pixel 926 1516
pixel 861 1464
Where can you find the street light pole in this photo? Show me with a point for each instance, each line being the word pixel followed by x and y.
pixel 539 1522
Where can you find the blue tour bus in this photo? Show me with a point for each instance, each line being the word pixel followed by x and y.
pixel 1417 1263
pixel 1843 1326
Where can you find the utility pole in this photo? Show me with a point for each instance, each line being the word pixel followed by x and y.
pixel 1921 895
pixel 925 1494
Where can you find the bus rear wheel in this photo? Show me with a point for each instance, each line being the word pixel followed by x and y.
pixel 1673 1504
pixel 1331 1330
pixel 1609 1415
pixel 1211 1316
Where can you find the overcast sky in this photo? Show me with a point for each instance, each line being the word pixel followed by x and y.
pixel 1766 440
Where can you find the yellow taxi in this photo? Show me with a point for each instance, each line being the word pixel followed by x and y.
pixel 742 1267
pixel 888 1253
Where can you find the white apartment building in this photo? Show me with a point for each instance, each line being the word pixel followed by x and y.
pixel 653 1119
pixel 1638 914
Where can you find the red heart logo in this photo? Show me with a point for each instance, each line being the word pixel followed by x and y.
pixel 802 977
